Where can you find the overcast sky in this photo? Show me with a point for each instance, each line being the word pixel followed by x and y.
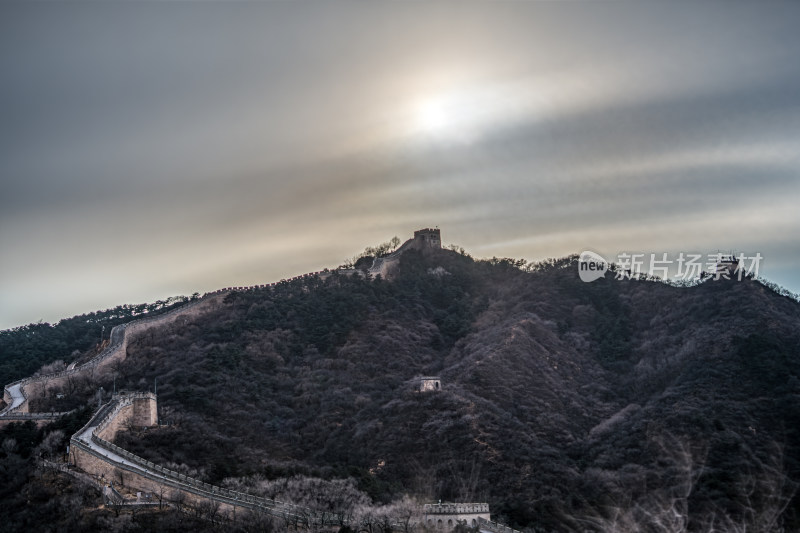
pixel 150 149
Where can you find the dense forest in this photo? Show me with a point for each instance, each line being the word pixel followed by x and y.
pixel 568 406
pixel 25 349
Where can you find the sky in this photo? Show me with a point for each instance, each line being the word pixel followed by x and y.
pixel 151 149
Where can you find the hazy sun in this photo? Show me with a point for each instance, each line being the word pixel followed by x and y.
pixel 445 119
pixel 463 116
pixel 433 116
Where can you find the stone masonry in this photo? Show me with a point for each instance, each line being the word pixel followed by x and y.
pixel 446 516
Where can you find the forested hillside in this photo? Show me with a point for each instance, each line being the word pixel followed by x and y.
pixel 25 349
pixel 562 400
pixel 568 406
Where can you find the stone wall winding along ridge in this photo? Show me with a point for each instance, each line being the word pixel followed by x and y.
pixel 16 394
pixel 96 455
pixel 92 451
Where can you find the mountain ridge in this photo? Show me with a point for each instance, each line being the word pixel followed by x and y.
pixel 524 359
pixel 559 397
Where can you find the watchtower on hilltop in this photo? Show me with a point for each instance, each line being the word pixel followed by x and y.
pixel 426 241
pixel 428 383
pixel 428 238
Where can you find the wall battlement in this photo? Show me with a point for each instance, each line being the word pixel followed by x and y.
pixel 455 508
pixel 446 516
pixel 428 238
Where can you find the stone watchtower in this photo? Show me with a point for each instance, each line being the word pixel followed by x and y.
pixel 427 238
pixel 429 383
pixel 145 410
pixel 446 516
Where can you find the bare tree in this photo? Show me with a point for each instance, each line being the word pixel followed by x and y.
pixel 161 494
pixel 72 383
pixel 257 521
pixel 404 512
pixel 178 498
pixel 112 499
pixel 51 444
pixel 765 492
pixel 466 475
pixel 41 387
pixel 119 369
pixel 127 424
pixel 208 510
pixel 56 366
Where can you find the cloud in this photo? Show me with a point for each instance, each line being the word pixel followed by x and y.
pixel 149 149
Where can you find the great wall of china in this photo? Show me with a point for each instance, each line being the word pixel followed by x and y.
pixel 92 450
pixel 16 394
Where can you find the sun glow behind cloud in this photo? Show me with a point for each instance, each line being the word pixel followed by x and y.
pixel 468 114
pixel 241 145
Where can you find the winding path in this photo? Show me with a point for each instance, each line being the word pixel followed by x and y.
pixel 17 398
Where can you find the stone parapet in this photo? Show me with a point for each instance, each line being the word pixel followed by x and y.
pixel 487 526
pixel 455 508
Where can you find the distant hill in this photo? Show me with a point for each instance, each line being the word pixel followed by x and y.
pixel 568 406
